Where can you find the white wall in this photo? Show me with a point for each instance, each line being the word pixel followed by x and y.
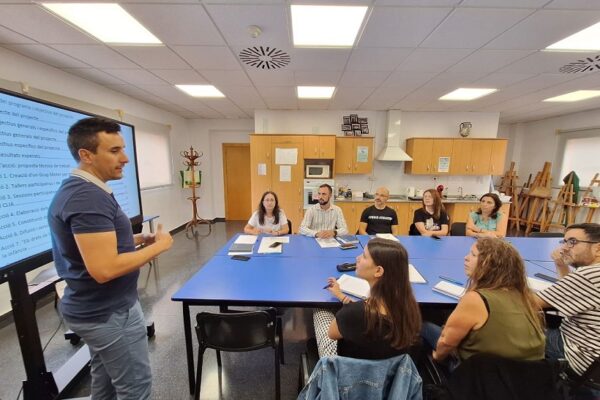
pixel 411 124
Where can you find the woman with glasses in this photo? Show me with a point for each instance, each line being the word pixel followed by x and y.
pixel 431 219
pixel 497 315
pixel 488 220
pixel 268 217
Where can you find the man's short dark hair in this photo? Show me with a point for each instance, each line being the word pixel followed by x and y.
pixel 591 230
pixel 327 186
pixel 84 134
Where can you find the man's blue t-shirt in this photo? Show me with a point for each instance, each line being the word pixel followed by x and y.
pixel 81 206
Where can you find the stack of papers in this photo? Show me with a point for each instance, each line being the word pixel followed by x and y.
pixel 354 286
pixel 326 243
pixel 243 245
pixel 387 236
pixel 347 239
pixel 537 285
pixel 449 289
pixel 414 275
pixel 267 241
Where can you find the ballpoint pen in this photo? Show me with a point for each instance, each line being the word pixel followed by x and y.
pixel 451 280
pixel 327 286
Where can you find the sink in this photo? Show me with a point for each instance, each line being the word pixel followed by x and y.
pixel 467 197
pixel 397 197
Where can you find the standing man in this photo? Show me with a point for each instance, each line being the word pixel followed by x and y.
pixel 94 251
pixel 379 218
pixel 324 220
pixel 577 297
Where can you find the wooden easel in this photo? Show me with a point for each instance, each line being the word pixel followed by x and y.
pixel 565 205
pixel 591 210
pixel 508 181
pixel 534 208
pixel 190 161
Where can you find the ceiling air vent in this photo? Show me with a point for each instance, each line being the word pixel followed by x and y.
pixel 264 57
pixel 584 65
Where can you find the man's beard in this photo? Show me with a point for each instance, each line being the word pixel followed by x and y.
pixel 323 202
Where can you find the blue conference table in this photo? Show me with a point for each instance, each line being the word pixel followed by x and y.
pixel 295 277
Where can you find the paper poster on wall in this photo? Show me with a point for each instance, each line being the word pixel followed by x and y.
pixel 285 173
pixel 262 169
pixel 362 154
pixel 286 156
pixel 444 164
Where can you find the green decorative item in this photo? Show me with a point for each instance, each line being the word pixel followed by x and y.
pixel 190 178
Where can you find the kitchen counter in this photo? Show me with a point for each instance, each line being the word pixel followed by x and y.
pixel 404 199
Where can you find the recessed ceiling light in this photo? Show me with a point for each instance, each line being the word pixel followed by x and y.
pixel 108 22
pixel 315 92
pixel 326 26
pixel 200 90
pixel 584 40
pixel 575 96
pixel 464 94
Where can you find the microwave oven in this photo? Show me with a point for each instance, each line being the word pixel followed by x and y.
pixel 318 171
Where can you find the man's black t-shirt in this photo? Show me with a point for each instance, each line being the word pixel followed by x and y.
pixel 379 221
pixel 431 224
pixel 352 325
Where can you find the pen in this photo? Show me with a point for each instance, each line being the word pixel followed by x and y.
pixel 327 286
pixel 451 280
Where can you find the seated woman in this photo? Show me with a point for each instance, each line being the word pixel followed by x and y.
pixel 488 220
pixel 268 217
pixel 385 325
pixel 498 313
pixel 431 219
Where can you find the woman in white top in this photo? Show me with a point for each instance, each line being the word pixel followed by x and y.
pixel 268 217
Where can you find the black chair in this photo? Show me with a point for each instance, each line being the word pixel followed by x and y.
pixel 458 229
pixel 237 331
pixel 413 231
pixel 546 234
pixel 590 378
pixel 290 226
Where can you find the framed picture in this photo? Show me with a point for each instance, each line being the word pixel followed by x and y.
pixel 364 129
pixel 362 121
pixel 346 119
pixel 355 126
pixel 354 118
pixel 346 127
pixel 348 133
pixel 357 132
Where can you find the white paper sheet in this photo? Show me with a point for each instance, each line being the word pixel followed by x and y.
pixel 444 164
pixel 355 286
pixel 326 243
pixel 285 173
pixel 286 156
pixel 362 154
pixel 414 275
pixel 262 169
pixel 268 241
pixel 537 285
pixel 387 236
pixel 248 239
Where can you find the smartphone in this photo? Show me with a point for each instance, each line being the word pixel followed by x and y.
pixel 346 267
pixel 347 246
pixel 546 277
pixel 436 237
pixel 275 244
pixel 240 258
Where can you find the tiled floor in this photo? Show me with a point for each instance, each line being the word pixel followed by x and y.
pixel 245 375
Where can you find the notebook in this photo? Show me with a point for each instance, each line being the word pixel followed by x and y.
pixel 354 286
pixel 449 289
pixel 387 236
pixel 243 245
pixel 347 239
pixel 267 241
pixel 326 243
pixel 537 285
pixel 414 275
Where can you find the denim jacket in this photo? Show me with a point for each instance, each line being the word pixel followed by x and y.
pixel 350 378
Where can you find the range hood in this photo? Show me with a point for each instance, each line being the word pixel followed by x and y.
pixel 392 150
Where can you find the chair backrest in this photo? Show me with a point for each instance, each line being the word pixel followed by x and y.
pixel 413 231
pixel 591 376
pixel 546 234
pixel 239 331
pixel 458 229
pixel 290 226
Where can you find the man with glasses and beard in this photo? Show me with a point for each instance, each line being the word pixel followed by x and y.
pixel 577 297
pixel 324 220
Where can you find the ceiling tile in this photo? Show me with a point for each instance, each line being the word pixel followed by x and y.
pixel 542 62
pixel 477 27
pixel 9 37
pixel 504 3
pixel 243 97
pixel 180 76
pixel 575 4
pixel 95 75
pixel 432 60
pixel 317 78
pixel 36 23
pixel 47 55
pixel 223 78
pixel 177 24
pixel 319 59
pixel 403 79
pixel 376 58
pixel 152 57
pixel 543 28
pixel 134 76
pixel 488 60
pixel 272 77
pixel 419 3
pixel 96 55
pixel 363 78
pixel 500 80
pixel 350 98
pixel 208 57
pixel 400 26
pixel 138 93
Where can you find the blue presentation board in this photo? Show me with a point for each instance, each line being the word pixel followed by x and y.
pixel 34 160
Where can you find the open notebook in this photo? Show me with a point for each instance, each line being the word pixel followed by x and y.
pixel 243 245
pixel 354 286
pixel 387 236
pixel 267 241
pixel 537 285
pixel 449 289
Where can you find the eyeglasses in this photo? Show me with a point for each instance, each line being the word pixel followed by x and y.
pixel 572 242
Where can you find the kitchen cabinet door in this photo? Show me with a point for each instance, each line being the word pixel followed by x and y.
pixel 312 147
pixel 420 149
pixel 480 157
pixel 441 148
pixel 498 158
pixel 349 210
pixel 362 155
pixel 343 156
pixel 327 147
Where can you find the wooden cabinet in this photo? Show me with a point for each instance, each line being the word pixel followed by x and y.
pixel 352 212
pixel 426 154
pixel 316 147
pixel 353 155
pixel 402 211
pixel 467 156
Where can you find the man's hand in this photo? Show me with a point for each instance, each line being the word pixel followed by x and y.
pixel 325 234
pixel 163 239
pixel 560 259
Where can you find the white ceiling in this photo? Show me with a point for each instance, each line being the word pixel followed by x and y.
pixel 410 53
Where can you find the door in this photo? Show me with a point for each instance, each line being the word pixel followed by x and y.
pixel 236 173
pixel 498 157
pixel 287 180
pixel 460 163
pixel 260 158
pixel 420 151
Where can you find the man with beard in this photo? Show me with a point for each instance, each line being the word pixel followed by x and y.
pixel 324 220
pixel 577 297
pixel 379 218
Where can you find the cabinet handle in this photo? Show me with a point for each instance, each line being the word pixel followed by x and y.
pixel 316 151
pixel 427 167
pixel 350 167
pixel 467 168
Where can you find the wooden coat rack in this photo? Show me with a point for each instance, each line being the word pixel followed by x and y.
pixel 191 162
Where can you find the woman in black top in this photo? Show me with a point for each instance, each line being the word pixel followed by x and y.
pixel 389 321
pixel 431 219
